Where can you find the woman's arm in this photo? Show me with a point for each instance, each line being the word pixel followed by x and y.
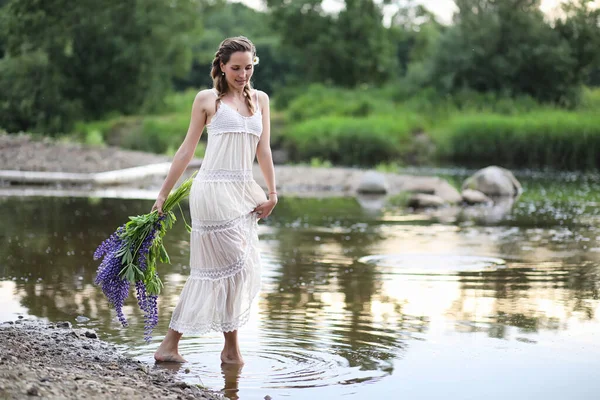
pixel 263 151
pixel 265 157
pixel 186 151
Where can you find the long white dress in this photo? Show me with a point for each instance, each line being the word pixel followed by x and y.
pixel 224 257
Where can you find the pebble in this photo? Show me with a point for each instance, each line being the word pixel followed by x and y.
pixel 61 369
pixel 91 334
pixel 32 390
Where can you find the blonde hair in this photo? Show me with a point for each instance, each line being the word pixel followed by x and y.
pixel 226 49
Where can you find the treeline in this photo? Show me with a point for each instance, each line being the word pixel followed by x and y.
pixel 62 62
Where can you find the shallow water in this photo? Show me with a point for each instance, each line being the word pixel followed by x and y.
pixel 356 302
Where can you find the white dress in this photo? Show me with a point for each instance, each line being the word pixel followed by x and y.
pixel 224 257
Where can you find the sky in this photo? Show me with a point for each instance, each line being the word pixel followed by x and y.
pixel 442 8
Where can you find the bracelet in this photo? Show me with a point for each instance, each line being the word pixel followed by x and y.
pixel 272 192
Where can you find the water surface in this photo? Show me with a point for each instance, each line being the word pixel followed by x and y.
pixel 357 303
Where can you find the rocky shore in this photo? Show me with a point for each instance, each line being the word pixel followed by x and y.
pixel 26 161
pixel 28 153
pixel 56 361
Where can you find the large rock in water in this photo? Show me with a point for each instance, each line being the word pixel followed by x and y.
pixel 422 200
pixel 471 197
pixel 372 182
pixel 493 181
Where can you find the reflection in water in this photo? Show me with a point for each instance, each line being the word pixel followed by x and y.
pixel 231 375
pixel 349 293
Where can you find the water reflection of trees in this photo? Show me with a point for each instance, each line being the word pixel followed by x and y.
pixel 315 266
pixel 514 291
pixel 48 244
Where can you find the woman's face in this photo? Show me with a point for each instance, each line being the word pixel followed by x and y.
pixel 239 69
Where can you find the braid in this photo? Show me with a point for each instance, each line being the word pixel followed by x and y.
pixel 219 81
pixel 249 100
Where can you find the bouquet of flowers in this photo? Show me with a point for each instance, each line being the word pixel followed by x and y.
pixel 130 254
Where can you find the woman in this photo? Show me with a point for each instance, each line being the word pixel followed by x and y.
pixel 225 203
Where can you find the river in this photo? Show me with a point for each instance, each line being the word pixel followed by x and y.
pixel 357 301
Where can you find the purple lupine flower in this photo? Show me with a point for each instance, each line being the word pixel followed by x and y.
pixel 111 244
pixel 148 304
pixel 152 316
pixel 145 249
pixel 115 288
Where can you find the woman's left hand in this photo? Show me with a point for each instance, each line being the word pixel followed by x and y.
pixel 264 210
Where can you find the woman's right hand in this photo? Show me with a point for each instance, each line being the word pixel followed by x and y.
pixel 158 205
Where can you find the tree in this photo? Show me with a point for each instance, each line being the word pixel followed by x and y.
pixel 580 27
pixel 504 47
pixel 221 20
pixel 105 56
pixel 347 49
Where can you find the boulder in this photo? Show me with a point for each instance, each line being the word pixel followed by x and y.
pixel 434 186
pixel 493 181
pixel 421 200
pixel 447 192
pixel 372 182
pixel 471 196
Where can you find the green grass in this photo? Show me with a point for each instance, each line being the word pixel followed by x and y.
pixel 376 127
pixel 351 141
pixel 162 133
pixel 545 138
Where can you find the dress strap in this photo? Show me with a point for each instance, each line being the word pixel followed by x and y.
pixel 217 101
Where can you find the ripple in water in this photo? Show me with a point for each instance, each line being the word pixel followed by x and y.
pixel 432 264
pixel 272 364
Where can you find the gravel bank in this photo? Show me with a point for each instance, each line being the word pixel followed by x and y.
pixel 55 361
pixel 29 153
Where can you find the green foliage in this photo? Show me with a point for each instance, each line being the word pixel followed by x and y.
pixel 560 139
pixel 318 100
pixel 350 141
pixel 31 97
pixel 580 27
pixel 504 47
pixel 349 49
pixel 220 20
pixel 108 56
pixel 160 134
pixel 590 99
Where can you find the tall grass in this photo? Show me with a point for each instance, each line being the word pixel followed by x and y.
pixel 351 141
pixel 319 101
pixel 544 138
pixel 159 133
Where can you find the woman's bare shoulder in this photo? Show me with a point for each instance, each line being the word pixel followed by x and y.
pixel 206 94
pixel 263 98
pixel 205 99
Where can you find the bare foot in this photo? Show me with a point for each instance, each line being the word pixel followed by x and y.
pixel 163 356
pixel 232 358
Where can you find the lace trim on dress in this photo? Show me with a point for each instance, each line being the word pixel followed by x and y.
pixel 225 175
pixel 215 133
pixel 213 274
pixel 202 327
pixel 202 226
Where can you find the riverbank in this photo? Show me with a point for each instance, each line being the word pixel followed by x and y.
pixel 30 153
pixel 26 153
pixel 56 361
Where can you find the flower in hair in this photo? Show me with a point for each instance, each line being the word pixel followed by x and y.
pixel 255 60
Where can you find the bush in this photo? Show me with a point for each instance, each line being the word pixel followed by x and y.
pixel 31 96
pixel 350 141
pixel 545 138
pixel 319 101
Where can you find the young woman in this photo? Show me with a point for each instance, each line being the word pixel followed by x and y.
pixel 225 203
